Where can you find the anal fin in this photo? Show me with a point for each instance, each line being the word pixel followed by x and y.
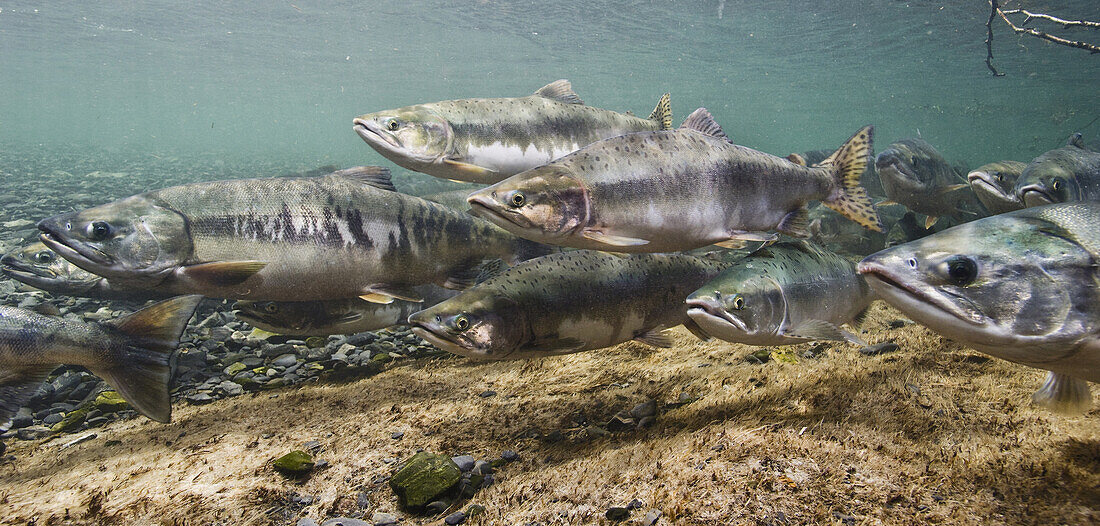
pixel 1063 394
pixel 796 223
pixel 17 386
pixel 656 337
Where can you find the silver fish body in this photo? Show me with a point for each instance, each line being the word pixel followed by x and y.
pixel 1070 173
pixel 488 140
pixel 783 294
pixel 131 353
pixel 565 303
pixel 346 316
pixel 915 175
pixel 674 190
pixel 1022 286
pixel 282 239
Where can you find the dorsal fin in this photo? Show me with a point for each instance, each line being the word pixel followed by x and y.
pixel 375 176
pixel 560 90
pixel 662 114
pixel 701 121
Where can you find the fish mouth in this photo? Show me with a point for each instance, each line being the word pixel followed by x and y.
pixel 886 161
pixel 698 307
pixel 1035 195
pixel 888 284
pixel 984 181
pixel 77 253
pixel 373 135
pixel 483 206
pixel 15 266
pixel 425 332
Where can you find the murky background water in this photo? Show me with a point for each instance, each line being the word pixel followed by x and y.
pixel 260 82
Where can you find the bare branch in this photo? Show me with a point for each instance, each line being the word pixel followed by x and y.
pixel 993 9
pixel 1065 23
pixel 1091 48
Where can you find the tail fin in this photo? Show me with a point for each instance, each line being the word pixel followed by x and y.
pixel 847 165
pixel 140 373
pixel 662 114
pixel 1063 394
pixel 525 249
pixel 17 386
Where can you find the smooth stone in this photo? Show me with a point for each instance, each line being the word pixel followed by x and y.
pixel 651 518
pixel 881 348
pixel 33 432
pixel 617 513
pixel 509 455
pixel 424 477
pixel 644 409
pixel 231 388
pixel 487 394
pixel 396 435
pixel 345 521
pixel 97 421
pixel 199 399
pixel 383 519
pixel 464 462
pixel 295 463
pixel 285 360
pixel 457 517
pixel 436 507
pixel 52 419
pixel 305 521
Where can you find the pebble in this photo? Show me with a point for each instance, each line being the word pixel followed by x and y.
pixel 509 455
pixel 457 517
pixel 383 519
pixel 487 394
pixel 345 521
pixel 877 349
pixel 305 521
pixel 482 467
pixel 617 513
pixel 396 435
pixel 464 462
pixel 285 360
pixel 651 518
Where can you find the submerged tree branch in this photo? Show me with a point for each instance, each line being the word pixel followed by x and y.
pixel 993 9
pixel 1091 48
pixel 1065 23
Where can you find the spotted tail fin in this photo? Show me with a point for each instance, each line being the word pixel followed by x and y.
pixel 847 165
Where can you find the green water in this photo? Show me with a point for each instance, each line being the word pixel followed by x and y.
pixel 258 81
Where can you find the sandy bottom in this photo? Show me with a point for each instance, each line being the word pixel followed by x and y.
pixel 934 433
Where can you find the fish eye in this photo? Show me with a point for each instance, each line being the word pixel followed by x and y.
pixel 960 270
pixel 518 199
pixel 1057 185
pixel 68 226
pixel 44 256
pixel 462 322
pixel 393 125
pixel 912 262
pixel 999 176
pixel 99 230
pixel 271 308
pixel 738 303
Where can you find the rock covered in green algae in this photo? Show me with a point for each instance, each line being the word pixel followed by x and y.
pixel 423 478
pixel 110 402
pixel 294 464
pixel 71 422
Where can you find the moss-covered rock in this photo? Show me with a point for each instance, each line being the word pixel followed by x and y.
pixel 110 402
pixel 72 421
pixel 314 342
pixel 294 464
pixel 235 368
pixel 424 477
pixel 381 358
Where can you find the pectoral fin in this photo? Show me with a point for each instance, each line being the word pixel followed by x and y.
pixel 385 293
pixel 223 273
pixel 17 386
pixel 615 241
pixel 815 330
pixel 930 221
pixel 953 188
pixel 656 337
pixel 1063 394
pixel 475 172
